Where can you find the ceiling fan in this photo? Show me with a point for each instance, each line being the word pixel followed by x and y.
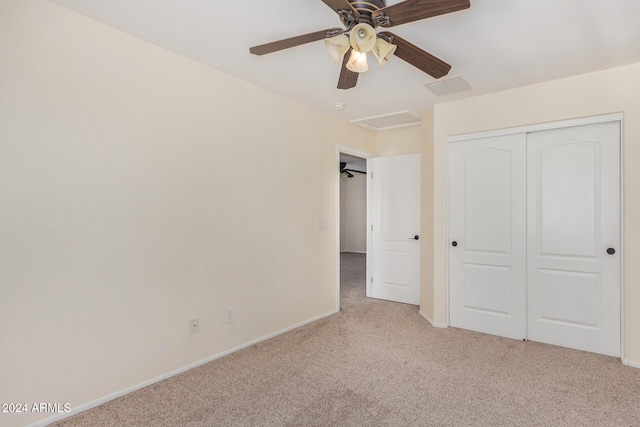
pixel 347 172
pixel 350 45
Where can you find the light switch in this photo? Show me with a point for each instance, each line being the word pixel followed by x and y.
pixel 321 224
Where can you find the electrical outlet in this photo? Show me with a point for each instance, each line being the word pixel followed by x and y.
pixel 194 326
pixel 230 315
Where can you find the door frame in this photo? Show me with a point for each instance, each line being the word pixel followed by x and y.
pixel 343 149
pixel 614 117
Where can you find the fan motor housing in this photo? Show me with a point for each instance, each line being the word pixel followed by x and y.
pixel 366 9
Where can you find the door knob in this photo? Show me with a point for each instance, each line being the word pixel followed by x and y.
pixel 416 237
pixel 611 251
pixel 454 243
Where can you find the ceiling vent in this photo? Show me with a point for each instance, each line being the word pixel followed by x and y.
pixel 401 119
pixel 448 86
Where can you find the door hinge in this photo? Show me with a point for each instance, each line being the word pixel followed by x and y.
pixel 371 227
pixel 372 280
pixel 371 175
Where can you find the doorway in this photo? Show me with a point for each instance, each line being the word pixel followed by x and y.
pixel 353 204
pixel 352 218
pixel 392 226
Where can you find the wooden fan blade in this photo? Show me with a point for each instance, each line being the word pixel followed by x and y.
pixel 295 41
pixel 415 10
pixel 417 57
pixel 338 5
pixel 348 78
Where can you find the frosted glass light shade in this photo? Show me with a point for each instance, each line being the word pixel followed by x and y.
pixel 357 62
pixel 383 51
pixel 337 46
pixel 363 37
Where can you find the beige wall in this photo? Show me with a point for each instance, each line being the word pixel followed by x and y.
pixel 399 141
pixel 610 91
pixel 139 190
pixel 427 228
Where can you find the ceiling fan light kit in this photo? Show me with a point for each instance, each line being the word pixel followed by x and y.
pixel 361 18
pixel 357 62
pixel 363 37
pixel 383 51
pixel 337 46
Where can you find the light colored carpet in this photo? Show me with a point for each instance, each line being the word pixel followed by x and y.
pixel 378 363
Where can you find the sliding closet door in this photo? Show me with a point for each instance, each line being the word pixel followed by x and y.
pixel 488 235
pixel 573 237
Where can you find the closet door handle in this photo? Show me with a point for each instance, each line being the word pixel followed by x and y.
pixel 454 243
pixel 611 251
pixel 416 237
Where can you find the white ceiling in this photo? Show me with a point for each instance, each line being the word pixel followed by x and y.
pixel 494 45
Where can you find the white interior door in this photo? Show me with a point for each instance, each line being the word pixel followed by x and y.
pixel 573 192
pixel 395 221
pixel 487 251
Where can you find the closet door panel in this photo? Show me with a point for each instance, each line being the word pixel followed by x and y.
pixel 567 198
pixel 487 233
pixel 573 218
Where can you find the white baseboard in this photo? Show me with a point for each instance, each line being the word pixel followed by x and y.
pixel 143 384
pixel 432 323
pixel 625 362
